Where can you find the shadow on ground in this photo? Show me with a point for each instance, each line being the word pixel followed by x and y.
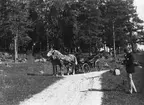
pixel 115 89
pixel 16 85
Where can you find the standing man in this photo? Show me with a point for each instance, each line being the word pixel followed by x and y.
pixel 129 64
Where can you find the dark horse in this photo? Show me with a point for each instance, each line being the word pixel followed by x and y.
pixel 67 60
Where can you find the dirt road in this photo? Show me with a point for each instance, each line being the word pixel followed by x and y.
pixel 72 90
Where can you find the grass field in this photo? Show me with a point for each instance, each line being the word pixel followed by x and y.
pixel 115 88
pixel 17 85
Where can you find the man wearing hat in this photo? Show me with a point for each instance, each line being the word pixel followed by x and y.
pixel 130 69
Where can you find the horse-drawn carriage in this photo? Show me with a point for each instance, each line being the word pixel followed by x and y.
pixel 85 64
pixel 71 62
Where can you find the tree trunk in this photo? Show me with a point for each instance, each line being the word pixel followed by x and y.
pixel 15 48
pixel 104 47
pixel 47 44
pixel 90 48
pixel 114 49
pixel 132 45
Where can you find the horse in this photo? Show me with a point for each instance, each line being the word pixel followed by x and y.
pixel 68 60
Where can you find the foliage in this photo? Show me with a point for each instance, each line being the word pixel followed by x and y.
pixel 70 23
pixel 15 16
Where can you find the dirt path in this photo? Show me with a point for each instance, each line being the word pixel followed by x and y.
pixel 72 90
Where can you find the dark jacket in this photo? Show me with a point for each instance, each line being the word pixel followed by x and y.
pixel 129 63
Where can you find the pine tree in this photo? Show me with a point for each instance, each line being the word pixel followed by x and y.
pixel 17 21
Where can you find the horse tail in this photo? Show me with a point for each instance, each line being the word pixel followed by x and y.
pixel 76 62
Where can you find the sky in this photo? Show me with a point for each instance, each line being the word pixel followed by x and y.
pixel 140 8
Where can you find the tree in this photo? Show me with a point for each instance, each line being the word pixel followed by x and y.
pixel 133 24
pixel 17 21
pixel 117 14
pixel 68 23
pixel 89 23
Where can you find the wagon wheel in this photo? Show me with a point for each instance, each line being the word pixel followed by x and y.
pixel 85 68
pixel 77 67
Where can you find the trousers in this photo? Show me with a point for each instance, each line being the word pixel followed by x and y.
pixel 131 83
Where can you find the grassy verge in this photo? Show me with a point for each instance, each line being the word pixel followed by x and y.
pixel 115 88
pixel 16 85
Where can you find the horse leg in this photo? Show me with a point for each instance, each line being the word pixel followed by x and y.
pixel 68 70
pixel 70 66
pixel 54 70
pixel 73 69
pixel 61 70
pixel 62 67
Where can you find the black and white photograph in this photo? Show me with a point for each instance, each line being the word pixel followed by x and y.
pixel 71 52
